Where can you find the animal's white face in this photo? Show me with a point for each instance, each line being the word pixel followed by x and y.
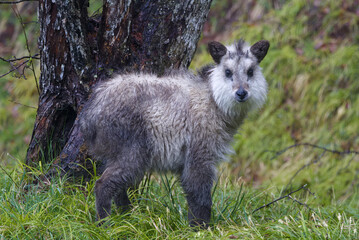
pixel 237 81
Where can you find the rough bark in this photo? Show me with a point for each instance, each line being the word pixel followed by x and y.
pixel 65 60
pixel 76 52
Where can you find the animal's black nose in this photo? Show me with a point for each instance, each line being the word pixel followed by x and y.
pixel 241 94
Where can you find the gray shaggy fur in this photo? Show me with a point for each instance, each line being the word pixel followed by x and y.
pixel 180 122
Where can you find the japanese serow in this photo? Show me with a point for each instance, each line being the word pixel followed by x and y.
pixel 179 122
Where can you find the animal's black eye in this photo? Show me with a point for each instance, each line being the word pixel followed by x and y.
pixel 250 72
pixel 228 73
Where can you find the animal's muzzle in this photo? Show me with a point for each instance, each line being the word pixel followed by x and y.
pixel 241 95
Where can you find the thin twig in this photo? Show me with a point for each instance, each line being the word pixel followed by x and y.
pixel 22 104
pixel 314 146
pixel 300 203
pixel 16 2
pixel 97 12
pixel 346 166
pixel 18 66
pixel 280 198
pixel 13 67
pixel 21 58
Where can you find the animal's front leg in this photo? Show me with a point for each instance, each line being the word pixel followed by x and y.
pixel 197 181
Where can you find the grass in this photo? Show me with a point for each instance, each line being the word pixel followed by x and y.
pixel 312 70
pixel 63 210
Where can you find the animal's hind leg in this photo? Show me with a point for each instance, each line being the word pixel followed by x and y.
pixel 105 189
pixel 121 199
pixel 115 181
pixel 113 184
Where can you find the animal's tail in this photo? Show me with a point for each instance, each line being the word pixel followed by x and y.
pixel 88 128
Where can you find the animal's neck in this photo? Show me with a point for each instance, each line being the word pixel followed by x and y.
pixel 234 122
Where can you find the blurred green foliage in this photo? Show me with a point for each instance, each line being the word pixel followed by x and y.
pixel 18 93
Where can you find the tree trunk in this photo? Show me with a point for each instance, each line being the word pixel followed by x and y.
pixel 78 51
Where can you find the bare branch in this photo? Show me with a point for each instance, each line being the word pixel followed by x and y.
pixel 346 166
pixel 27 46
pixel 22 104
pixel 21 58
pixel 17 70
pixel 300 203
pixel 315 146
pixel 14 68
pixel 280 198
pixel 16 2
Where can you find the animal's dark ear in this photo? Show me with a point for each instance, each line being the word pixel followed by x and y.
pixel 217 51
pixel 260 49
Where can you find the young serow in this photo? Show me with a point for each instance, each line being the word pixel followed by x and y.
pixel 179 122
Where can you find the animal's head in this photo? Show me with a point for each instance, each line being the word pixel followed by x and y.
pixel 236 79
